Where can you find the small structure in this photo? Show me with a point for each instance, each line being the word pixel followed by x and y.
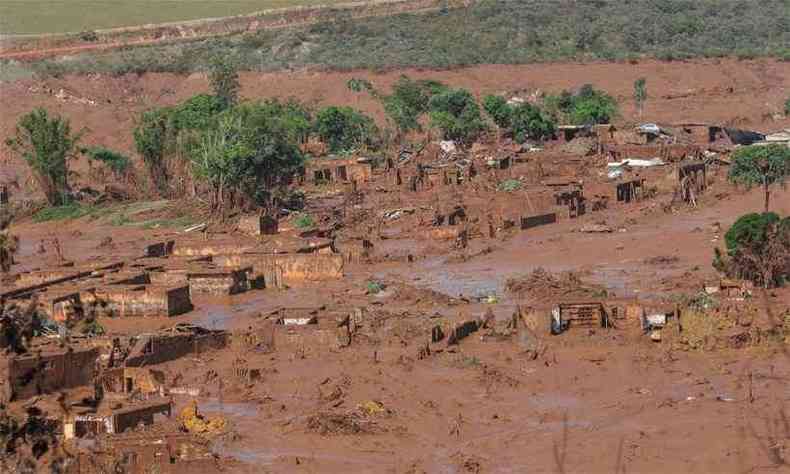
pixel 258 225
pixel 631 190
pixel 573 198
pixel 578 314
pixel 339 170
pixel 538 220
pixel 692 180
pixel 4 195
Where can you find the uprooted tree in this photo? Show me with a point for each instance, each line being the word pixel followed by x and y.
pixel 764 166
pixel 47 144
pixel 758 249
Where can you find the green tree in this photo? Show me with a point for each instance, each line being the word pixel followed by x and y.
pixel 640 94
pixel 761 165
pixel 524 121
pixel 245 156
pixel 528 121
pixel 151 140
pixel 345 129
pixel 456 114
pixel 46 144
pixel 758 248
pixel 588 106
pixel 407 102
pixel 224 79
pixel 499 110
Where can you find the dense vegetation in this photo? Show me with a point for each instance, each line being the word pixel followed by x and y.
pixel 491 31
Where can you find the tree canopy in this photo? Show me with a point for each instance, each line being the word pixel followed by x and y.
pixel 456 114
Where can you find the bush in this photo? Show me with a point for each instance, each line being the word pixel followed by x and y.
pixel 498 109
pixel 787 107
pixel 150 139
pixel 456 114
pixel 58 213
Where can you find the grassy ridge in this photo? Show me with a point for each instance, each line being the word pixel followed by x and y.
pixel 493 31
pixel 70 16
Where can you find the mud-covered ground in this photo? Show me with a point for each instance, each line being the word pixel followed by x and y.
pixel 585 401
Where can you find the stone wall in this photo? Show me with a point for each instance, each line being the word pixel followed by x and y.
pixel 159 348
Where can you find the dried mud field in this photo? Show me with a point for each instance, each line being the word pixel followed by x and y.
pixel 401 335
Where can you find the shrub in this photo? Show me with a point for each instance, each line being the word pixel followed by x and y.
pixel 787 107
pixel 374 287
pixel 46 143
pixel 498 109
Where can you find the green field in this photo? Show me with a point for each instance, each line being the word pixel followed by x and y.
pixel 71 16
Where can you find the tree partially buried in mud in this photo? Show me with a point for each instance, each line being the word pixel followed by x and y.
pixel 345 129
pixel 758 249
pixel 47 143
pixel 764 166
pixel 224 79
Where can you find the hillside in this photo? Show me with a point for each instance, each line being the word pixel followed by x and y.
pixel 487 32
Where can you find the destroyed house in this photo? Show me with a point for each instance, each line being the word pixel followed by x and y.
pixel 174 343
pixel 117 420
pixel 716 134
pixel 338 170
pixel 578 314
pixel 35 373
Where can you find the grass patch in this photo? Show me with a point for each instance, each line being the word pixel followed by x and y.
pixel 71 16
pixel 68 211
pixel 509 185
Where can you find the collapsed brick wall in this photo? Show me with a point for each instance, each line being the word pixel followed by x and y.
pixel 146 300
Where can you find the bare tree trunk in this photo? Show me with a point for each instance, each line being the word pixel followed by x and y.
pixel 767 193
